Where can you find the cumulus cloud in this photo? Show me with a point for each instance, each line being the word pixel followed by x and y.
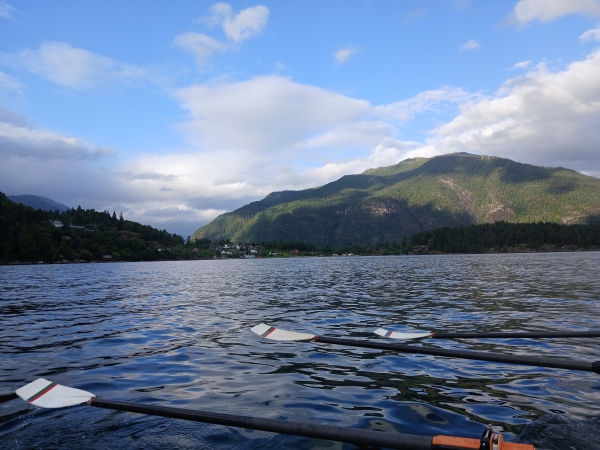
pixel 471 44
pixel 73 67
pixel 237 27
pixel 241 26
pixel 270 133
pixel 542 117
pixel 521 65
pixel 343 54
pixel 251 138
pixel 200 45
pixel 591 35
pixel 548 10
pixel 264 114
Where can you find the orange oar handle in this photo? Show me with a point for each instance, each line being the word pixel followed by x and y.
pixel 458 443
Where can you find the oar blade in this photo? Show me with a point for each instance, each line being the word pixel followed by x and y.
pixel 402 336
pixel 276 334
pixel 46 394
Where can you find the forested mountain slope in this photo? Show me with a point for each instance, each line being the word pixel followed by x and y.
pixel 415 195
pixel 28 234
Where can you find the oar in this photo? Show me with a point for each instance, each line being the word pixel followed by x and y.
pixel 7 397
pixel 501 335
pixel 277 334
pixel 46 394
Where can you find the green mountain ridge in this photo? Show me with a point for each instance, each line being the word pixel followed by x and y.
pixel 387 204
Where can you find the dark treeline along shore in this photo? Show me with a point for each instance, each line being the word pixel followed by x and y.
pixel 509 237
pixel 498 237
pixel 33 235
pixel 80 235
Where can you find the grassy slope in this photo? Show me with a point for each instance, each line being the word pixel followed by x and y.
pixel 389 203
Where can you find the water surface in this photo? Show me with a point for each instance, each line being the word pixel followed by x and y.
pixel 177 334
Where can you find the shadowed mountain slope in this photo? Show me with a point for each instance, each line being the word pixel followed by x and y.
pixel 38 202
pixel 387 204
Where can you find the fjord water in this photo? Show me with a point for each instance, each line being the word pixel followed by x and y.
pixel 178 334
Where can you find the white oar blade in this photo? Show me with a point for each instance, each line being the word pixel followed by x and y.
pixel 276 334
pixel 402 336
pixel 47 394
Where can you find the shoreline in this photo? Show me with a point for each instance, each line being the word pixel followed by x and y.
pixel 510 250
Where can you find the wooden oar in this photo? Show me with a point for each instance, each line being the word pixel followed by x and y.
pixel 277 334
pixel 493 335
pixel 47 394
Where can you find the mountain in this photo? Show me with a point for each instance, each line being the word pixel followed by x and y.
pixel 33 235
pixel 387 204
pixel 38 202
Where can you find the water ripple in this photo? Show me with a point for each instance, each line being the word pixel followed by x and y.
pixel 177 333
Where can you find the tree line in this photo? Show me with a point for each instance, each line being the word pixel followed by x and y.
pixel 477 238
pixel 28 234
pixel 505 236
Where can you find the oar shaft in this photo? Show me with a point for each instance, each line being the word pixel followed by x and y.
pixel 349 435
pixel 8 397
pixel 532 335
pixel 557 363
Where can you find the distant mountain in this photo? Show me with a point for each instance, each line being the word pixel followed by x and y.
pixel 38 202
pixel 387 204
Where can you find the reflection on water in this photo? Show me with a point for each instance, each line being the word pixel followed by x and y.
pixel 177 333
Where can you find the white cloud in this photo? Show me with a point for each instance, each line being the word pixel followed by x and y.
pixel 200 45
pixel 10 83
pixel 237 27
pixel 247 23
pixel 387 152
pixel 6 10
pixel 264 114
pixel 241 26
pixel 543 117
pixel 343 54
pixel 269 133
pixel 471 44
pixel 364 134
pixel 73 67
pixel 521 65
pixel 19 139
pixel 405 110
pixel 591 35
pixel 548 10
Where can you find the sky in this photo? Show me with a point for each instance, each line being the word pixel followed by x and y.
pixel 175 112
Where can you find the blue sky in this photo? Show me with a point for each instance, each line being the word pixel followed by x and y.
pixel 174 113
